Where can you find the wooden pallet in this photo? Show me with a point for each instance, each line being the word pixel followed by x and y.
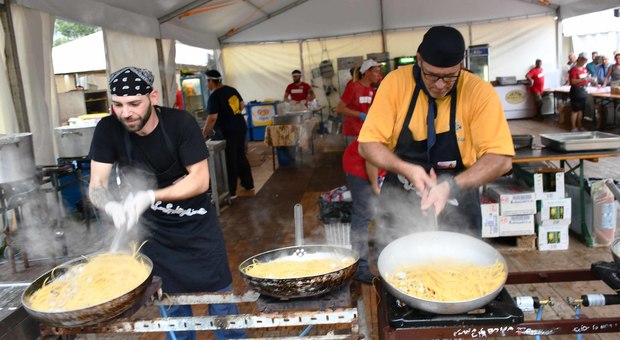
pixel 514 243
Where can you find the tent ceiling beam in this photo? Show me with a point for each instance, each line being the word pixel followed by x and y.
pixel 260 20
pixel 175 13
pixel 389 30
pixel 542 3
pixel 255 6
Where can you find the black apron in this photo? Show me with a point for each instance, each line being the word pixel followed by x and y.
pixel 184 238
pixel 399 210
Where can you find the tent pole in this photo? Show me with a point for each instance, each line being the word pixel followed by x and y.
pixel 301 57
pixel 15 74
pixel 383 41
pixel 162 73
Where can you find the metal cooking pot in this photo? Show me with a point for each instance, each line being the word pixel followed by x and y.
pixel 297 287
pixel 16 157
pixel 73 141
pixel 420 248
pixel 288 119
pixel 86 316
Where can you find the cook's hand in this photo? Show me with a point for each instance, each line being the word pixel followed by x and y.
pixel 117 212
pixel 436 196
pixel 420 180
pixel 136 204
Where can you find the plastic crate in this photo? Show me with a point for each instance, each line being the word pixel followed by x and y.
pixel 335 212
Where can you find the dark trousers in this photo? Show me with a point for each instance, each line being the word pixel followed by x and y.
pixel 179 311
pixel 363 211
pixel 237 164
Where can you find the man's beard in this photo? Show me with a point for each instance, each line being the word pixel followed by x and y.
pixel 142 121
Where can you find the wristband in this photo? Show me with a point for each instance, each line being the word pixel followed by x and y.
pixel 454 187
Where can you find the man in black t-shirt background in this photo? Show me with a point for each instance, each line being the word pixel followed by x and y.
pixel 164 148
pixel 225 118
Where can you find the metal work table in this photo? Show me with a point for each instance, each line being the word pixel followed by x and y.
pixel 544 155
pixel 291 135
pixel 218 174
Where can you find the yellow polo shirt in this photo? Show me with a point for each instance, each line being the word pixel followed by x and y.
pixel 481 126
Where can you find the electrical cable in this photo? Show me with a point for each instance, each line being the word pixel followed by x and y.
pixel 539 317
pixel 577 314
pixel 162 311
pixel 306 331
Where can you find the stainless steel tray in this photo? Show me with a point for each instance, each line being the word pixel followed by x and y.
pixel 581 141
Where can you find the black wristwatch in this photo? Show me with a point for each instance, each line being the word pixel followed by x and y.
pixel 454 187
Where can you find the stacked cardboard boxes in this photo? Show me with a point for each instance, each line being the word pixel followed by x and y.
pixel 507 210
pixel 553 209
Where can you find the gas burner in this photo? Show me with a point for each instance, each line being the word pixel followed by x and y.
pixel 501 311
pixel 607 272
pixel 336 298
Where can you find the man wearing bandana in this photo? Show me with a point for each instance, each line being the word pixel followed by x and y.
pixel 441 133
pixel 164 148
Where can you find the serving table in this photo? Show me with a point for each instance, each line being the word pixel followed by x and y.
pixel 600 96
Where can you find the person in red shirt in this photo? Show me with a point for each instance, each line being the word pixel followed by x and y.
pixel 298 90
pixel 178 103
pixel 537 79
pixel 363 182
pixel 578 79
pixel 357 98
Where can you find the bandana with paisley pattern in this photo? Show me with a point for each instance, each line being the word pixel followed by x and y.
pixel 131 81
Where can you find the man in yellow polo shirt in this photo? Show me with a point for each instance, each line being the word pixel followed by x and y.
pixel 455 139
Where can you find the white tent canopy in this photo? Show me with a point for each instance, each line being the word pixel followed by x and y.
pixel 146 28
pixel 216 22
pixel 81 55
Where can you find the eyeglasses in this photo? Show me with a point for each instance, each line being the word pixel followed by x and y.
pixel 434 78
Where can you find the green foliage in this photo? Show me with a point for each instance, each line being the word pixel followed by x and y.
pixel 65 31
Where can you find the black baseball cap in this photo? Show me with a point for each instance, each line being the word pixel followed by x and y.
pixel 442 46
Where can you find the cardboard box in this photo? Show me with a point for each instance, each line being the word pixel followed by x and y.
pixel 549 185
pixel 490 216
pixel 516 225
pixel 513 199
pixel 547 181
pixel 554 237
pixel 554 212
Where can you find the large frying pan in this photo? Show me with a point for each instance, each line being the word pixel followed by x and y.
pixel 86 316
pixel 297 287
pixel 420 248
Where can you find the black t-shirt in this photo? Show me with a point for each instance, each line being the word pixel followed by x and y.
pixel 188 144
pixel 183 237
pixel 226 102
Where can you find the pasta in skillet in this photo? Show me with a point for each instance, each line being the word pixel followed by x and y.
pixel 282 268
pixel 448 281
pixel 104 277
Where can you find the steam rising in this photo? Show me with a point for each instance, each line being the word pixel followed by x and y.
pixel 399 214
